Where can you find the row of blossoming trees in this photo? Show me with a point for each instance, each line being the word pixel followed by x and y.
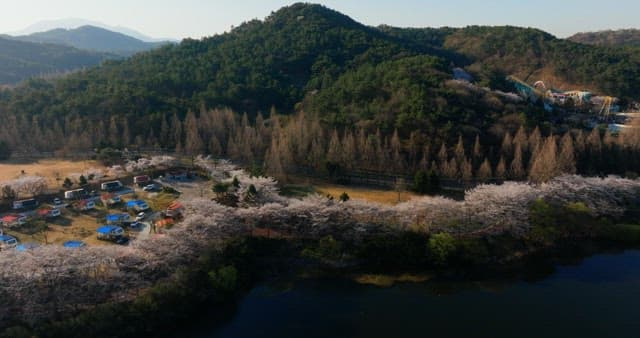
pixel 52 281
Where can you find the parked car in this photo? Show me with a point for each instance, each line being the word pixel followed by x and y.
pixel 57 201
pixel 135 225
pixel 141 215
pixel 152 187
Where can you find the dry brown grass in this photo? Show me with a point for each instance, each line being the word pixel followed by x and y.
pixel 390 280
pixel 70 226
pixel 157 201
pixel 367 194
pixel 47 168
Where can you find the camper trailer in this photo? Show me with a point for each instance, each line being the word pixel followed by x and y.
pixel 141 180
pixel 25 204
pixel 74 194
pixel 111 186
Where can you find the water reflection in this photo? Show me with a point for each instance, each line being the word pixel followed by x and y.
pixel 598 297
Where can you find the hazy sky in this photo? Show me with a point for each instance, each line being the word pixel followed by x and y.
pixel 197 18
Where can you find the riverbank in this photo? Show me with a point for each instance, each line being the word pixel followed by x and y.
pixel 216 283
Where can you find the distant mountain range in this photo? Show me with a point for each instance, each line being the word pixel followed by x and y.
pixel 609 38
pixel 92 38
pixel 20 60
pixel 61 50
pixel 71 23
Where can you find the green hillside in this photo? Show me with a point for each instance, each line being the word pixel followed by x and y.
pixel 311 58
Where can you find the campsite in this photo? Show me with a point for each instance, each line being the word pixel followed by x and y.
pixel 113 197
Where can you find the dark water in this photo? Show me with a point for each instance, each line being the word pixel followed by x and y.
pixel 599 297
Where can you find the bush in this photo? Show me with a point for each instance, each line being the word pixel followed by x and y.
pixel 541 214
pixel 326 249
pixel 67 183
pixel 344 197
pixel 441 246
pixel 225 278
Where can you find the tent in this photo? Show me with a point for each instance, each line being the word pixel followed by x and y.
pixel 74 244
pixel 165 222
pixel 13 219
pixel 110 230
pixel 138 205
pixel 27 246
pixel 117 218
pixel 175 205
pixel 7 241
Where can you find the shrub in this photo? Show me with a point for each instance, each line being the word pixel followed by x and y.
pixel 441 246
pixel 344 197
pixel 224 279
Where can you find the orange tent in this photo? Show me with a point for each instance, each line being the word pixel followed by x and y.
pixel 164 222
pixel 175 205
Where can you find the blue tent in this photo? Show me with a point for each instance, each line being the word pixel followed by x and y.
pixel 115 218
pixel 74 244
pixel 27 247
pixel 133 203
pixel 6 238
pixel 110 230
pixel 138 204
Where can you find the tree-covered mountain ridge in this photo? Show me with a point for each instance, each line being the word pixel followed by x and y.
pixel 92 38
pixel 307 57
pixel 609 38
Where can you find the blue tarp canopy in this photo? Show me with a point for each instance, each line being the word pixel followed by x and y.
pixel 27 246
pixel 6 238
pixel 73 244
pixel 133 203
pixel 117 217
pixel 110 229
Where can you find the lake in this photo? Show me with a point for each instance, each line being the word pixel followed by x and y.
pixel 598 297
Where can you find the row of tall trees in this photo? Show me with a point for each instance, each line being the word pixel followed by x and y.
pixel 287 144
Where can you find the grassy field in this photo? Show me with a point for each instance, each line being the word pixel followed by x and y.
pixel 50 169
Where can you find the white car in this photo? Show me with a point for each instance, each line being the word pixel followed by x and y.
pixel 141 215
pixel 151 187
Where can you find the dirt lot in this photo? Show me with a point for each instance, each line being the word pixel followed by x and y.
pixel 50 169
pixel 368 194
pixel 70 226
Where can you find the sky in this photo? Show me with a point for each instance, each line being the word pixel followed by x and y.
pixel 197 18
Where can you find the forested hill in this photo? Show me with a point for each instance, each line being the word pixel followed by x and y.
pixel 92 38
pixel 609 38
pixel 21 60
pixel 308 57
pixel 533 55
